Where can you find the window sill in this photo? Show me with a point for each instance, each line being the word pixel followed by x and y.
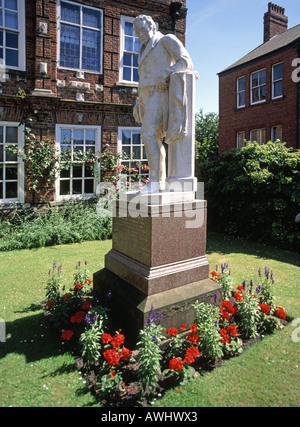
pixel 127 84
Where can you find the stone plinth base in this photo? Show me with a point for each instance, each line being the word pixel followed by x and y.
pixel 130 307
pixel 157 248
pixel 158 259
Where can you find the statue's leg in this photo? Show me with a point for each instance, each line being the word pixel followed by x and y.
pixel 151 134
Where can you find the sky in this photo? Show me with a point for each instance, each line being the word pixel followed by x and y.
pixel 219 32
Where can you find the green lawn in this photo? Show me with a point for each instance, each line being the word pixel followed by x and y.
pixel 35 371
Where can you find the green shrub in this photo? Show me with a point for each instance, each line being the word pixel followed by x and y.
pixel 74 222
pixel 254 192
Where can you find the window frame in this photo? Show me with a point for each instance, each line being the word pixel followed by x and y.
pixel 60 67
pixel 238 139
pixel 272 133
pixel 96 179
pixel 21 40
pixel 120 146
pixel 275 81
pixel 123 21
pixel 259 86
pixel 19 162
pixel 242 91
pixel 260 135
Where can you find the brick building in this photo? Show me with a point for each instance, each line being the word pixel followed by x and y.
pixel 76 61
pixel 259 94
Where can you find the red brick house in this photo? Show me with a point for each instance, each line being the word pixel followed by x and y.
pixel 76 61
pixel 259 93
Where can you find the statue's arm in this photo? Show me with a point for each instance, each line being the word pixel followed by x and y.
pixel 181 60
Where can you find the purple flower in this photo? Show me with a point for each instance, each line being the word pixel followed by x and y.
pixel 215 297
pixel 244 284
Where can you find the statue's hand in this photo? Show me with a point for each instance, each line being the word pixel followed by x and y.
pixel 163 83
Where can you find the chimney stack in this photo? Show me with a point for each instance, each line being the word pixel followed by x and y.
pixel 275 22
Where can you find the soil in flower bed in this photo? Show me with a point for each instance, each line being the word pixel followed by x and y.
pixel 131 393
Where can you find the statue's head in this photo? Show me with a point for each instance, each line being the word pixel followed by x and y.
pixel 145 28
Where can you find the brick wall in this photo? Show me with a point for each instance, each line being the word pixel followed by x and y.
pixel 270 113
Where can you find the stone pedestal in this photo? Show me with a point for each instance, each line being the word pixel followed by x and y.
pixel 158 259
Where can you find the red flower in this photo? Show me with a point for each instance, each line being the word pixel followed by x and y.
pixel 67 335
pixel 223 332
pixel 224 314
pixel 111 356
pixel 190 354
pixel 86 305
pixel 264 308
pixel 66 297
pixel 78 287
pixel 232 330
pixel 78 318
pixel 227 305
pixel 117 340
pixel 189 359
pixel 238 296
pixel 125 353
pixel 176 364
pixel 106 338
pixel 172 331
pixel 50 303
pixel 280 313
pixel 193 328
pixel 240 288
pixel 183 327
pixel 225 339
pixel 112 374
pixel 193 338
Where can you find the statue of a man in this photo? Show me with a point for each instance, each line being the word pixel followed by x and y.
pixel 159 58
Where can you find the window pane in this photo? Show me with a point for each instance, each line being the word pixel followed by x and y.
pixel 91 18
pixel 12 58
pixel 126 137
pixel 137 152
pixel 69 46
pixel 11 134
pixel 65 136
pixel 88 171
pixel 11 4
pixel 241 99
pixel 1 154
pixel 91 50
pixel 77 171
pixel 1 134
pixel 255 95
pixel 90 137
pixel 65 173
pixel 137 45
pixel 1 36
pixel 255 80
pixel 64 188
pixel 11 173
pixel 77 186
pixel 88 186
pixel 11 190
pixel 1 189
pixel 12 40
pixel 278 72
pixel 136 138
pixel 129 28
pixel 262 77
pixel 278 88
pixel 70 13
pixel 127 59
pixel 11 157
pixel 78 136
pixel 241 84
pixel 11 20
pixel 135 60
pixel 129 44
pixel 127 73
pixel 135 75
pixel 1 18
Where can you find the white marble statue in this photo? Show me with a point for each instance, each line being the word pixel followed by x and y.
pixel 162 104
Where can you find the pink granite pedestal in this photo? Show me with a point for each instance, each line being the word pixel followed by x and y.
pixel 158 259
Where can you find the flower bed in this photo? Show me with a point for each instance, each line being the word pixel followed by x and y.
pixel 162 359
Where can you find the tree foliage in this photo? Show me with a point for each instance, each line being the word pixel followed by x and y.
pixel 207 135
